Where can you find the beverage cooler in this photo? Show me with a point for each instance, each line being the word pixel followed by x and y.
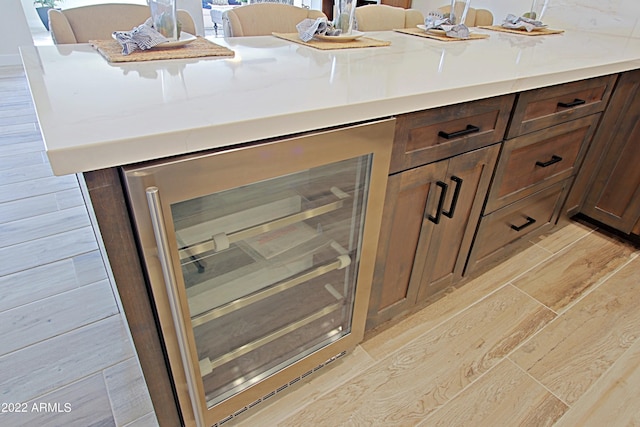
pixel 259 260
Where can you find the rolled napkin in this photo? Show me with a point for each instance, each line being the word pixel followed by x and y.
pixel 308 28
pixel 142 37
pixel 515 22
pixel 437 21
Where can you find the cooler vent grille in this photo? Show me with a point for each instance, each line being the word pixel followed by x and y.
pixel 277 390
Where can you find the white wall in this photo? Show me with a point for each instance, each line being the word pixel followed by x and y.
pixel 621 17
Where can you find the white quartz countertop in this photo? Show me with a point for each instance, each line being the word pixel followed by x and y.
pixel 95 115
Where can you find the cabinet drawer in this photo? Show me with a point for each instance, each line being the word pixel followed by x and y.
pixel 427 136
pixel 541 108
pixel 530 162
pixel 513 222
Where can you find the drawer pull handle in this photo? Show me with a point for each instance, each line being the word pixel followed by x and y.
pixel 554 159
pixel 443 194
pixel 525 225
pixel 456 194
pixel 469 129
pixel 575 103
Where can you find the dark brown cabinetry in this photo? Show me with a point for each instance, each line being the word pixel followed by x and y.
pixel 431 135
pixel 548 136
pixel 442 163
pixel 540 108
pixel 613 196
pixel 430 215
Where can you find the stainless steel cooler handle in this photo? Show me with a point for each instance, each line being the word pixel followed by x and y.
pixel 159 230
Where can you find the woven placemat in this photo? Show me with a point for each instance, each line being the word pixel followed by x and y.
pixel 540 32
pixel 198 48
pixel 325 45
pixel 444 38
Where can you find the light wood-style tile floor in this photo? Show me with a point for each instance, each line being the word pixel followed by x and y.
pixel 550 337
pixel 66 356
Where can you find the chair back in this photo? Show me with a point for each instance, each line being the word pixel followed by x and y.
pixel 382 17
pixel 98 22
pixel 271 1
pixel 475 17
pixel 262 19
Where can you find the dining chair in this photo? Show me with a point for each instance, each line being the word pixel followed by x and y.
pixel 382 17
pixel 475 17
pixel 262 19
pixel 194 7
pixel 99 21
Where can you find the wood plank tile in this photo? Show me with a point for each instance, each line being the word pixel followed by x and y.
pixel 127 391
pixel 21 160
pixel 44 281
pixel 39 205
pixel 16 98
pixel 62 360
pixel 17 128
pixel 88 405
pixel 562 280
pixel 405 387
pixel 390 340
pixel 310 390
pixel 31 323
pixel 613 399
pixel 38 227
pixel 17 110
pixel 20 112
pixel 25 173
pixel 504 396
pixel 15 148
pixel 69 198
pixel 29 207
pixel 28 135
pixel 36 283
pixel 571 353
pixel 148 420
pixel 89 268
pixel 565 236
pixel 49 249
pixel 37 187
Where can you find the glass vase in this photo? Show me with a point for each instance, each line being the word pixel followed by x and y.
pixel 163 15
pixel 458 11
pixel 344 12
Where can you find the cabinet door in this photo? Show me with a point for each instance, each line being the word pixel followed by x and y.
pixel 614 196
pixel 446 248
pixel 429 220
pixel 411 196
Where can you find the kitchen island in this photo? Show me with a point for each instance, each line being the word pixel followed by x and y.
pixel 96 117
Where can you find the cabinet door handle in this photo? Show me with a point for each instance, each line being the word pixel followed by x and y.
pixel 575 103
pixel 554 159
pixel 529 222
pixel 454 200
pixel 443 194
pixel 168 273
pixel 469 129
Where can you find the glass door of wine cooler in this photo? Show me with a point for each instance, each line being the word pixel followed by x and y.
pixel 260 260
